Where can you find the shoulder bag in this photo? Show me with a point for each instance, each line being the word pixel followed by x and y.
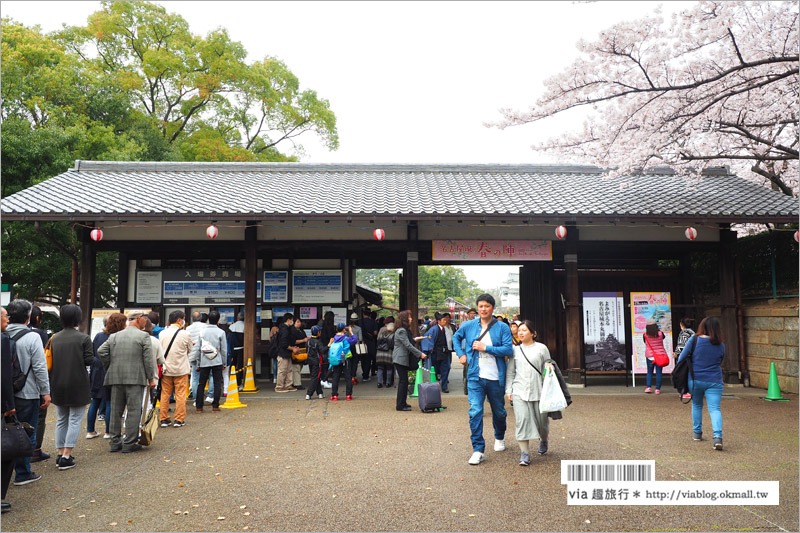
pixel 16 443
pixel 681 372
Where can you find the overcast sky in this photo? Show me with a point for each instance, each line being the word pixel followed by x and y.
pixel 410 82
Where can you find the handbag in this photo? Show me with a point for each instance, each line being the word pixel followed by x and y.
pixel 552 398
pixel 301 356
pixel 660 359
pixel 48 353
pixel 680 374
pixel 16 441
pixel 361 348
pixel 150 424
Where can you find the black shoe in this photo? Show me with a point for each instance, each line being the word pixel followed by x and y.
pixel 6 507
pixel 66 463
pixel 380 385
pixel 39 455
pixel 405 408
pixel 299 387
pixel 115 450
pixel 133 448
pixel 446 391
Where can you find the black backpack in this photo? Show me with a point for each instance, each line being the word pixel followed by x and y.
pixel 273 348
pixel 680 374
pixel 18 378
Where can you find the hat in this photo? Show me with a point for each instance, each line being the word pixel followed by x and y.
pixel 133 315
pixel 651 322
pixel 354 316
pixel 315 330
pixel 340 326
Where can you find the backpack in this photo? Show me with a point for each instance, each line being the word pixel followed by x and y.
pixel 18 378
pixel 336 353
pixel 682 370
pixel 386 343
pixel 273 349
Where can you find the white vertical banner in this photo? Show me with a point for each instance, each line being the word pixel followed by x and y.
pixel 604 331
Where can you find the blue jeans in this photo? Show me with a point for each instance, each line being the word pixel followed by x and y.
pixel 443 372
pixel 98 405
pixel 650 366
pixel 27 411
pixel 477 392
pixel 713 393
pixel 196 380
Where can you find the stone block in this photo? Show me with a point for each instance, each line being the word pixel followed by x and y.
pixel 790 323
pixel 758 364
pixel 757 322
pixel 792 353
pixel 759 380
pixel 756 336
pixel 783 338
pixel 786 368
pixel 767 351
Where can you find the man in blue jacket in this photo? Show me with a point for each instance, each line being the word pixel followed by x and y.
pixel 488 342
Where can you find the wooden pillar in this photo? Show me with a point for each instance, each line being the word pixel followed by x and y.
pixel 728 320
pixel 411 277
pixel 122 281
pixel 250 290
pixel 88 259
pixel 574 339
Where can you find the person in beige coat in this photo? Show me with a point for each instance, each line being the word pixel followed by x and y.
pixel 524 387
pixel 177 345
pixel 128 358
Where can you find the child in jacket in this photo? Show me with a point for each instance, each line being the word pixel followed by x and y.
pixel 348 341
pixel 315 363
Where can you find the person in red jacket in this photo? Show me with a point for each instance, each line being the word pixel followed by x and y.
pixel 654 345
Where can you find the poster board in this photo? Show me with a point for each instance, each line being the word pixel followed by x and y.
pixel 308 313
pixel 604 331
pixel 644 306
pixel 97 320
pixel 339 313
pixel 316 286
pixel 148 286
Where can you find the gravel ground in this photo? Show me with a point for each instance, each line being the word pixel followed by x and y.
pixel 287 464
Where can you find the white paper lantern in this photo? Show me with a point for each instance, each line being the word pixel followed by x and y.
pixel 379 234
pixel 96 234
pixel 690 233
pixel 212 231
pixel 561 232
pixel 797 236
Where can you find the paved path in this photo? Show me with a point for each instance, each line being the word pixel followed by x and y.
pixel 284 463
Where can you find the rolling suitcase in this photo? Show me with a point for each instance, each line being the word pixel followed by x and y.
pixel 430 397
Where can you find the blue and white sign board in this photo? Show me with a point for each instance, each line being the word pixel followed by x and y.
pixel 316 286
pixel 276 286
pixel 227 315
pixel 204 292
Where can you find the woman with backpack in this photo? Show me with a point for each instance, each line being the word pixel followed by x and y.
pixel 705 381
pixel 655 354
pixel 383 355
pixel 404 356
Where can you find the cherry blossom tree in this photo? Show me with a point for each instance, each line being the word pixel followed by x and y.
pixel 717 85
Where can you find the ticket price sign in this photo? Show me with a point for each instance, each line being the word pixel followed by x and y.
pixel 316 286
pixel 204 292
pixel 276 286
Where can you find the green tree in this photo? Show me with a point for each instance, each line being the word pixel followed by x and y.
pixel 436 285
pixel 384 280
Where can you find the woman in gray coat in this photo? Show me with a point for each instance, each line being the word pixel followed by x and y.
pixel 404 347
pixel 69 382
pixel 524 387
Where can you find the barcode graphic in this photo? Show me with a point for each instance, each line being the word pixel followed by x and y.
pixel 572 471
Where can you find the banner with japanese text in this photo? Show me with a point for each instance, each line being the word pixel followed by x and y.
pixel 646 306
pixel 480 250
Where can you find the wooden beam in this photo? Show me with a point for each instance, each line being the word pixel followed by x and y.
pixel 574 338
pixel 727 288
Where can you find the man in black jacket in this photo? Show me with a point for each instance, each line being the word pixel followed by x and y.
pixel 286 348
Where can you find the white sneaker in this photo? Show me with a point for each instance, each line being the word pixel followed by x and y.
pixel 209 400
pixel 327 385
pixel 320 396
pixel 308 397
pixel 476 459
pixel 499 445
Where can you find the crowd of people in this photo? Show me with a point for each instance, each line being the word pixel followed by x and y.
pixel 134 360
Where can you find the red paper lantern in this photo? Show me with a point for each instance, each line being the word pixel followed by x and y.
pixel 797 236
pixel 690 233
pixel 452 305
pixel 561 232
pixel 96 234
pixel 379 234
pixel 212 231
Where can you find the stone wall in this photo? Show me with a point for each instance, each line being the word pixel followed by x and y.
pixel 770 335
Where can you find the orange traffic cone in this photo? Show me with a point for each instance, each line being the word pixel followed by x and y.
pixel 232 401
pixel 249 380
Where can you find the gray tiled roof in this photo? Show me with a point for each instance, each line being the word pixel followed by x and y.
pixel 100 190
